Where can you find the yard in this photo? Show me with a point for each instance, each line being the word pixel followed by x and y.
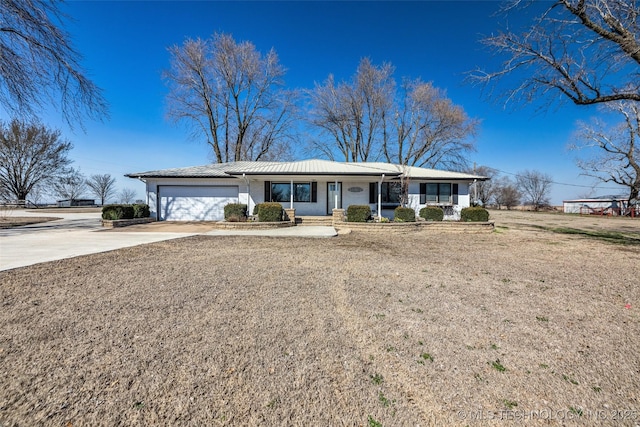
pixel 536 323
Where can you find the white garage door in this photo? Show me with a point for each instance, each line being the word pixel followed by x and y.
pixel 195 203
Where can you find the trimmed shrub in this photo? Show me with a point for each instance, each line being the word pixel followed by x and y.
pixel 401 214
pixel 477 214
pixel 114 212
pixel 270 212
pixel 432 213
pixel 235 212
pixel 256 208
pixel 358 213
pixel 141 210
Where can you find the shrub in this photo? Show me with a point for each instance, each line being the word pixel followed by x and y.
pixel 358 213
pixel 114 212
pixel 256 208
pixel 477 214
pixel 270 212
pixel 235 212
pixel 432 213
pixel 141 210
pixel 401 214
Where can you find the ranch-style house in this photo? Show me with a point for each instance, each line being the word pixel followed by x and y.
pixel 311 187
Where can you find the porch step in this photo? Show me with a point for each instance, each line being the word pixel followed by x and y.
pixel 314 220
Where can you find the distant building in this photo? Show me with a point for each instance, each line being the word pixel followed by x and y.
pixel 67 203
pixel 601 205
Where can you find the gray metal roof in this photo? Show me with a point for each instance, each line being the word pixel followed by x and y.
pixel 310 167
pixel 304 167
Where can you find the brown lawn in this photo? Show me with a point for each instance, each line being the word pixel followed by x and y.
pixel 520 326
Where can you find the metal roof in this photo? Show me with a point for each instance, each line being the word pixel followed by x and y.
pixel 310 167
pixel 304 167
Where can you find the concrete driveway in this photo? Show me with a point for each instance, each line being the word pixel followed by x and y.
pixel 74 235
pixel 78 234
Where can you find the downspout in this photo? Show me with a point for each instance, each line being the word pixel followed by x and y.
pixel 380 198
pixel 244 176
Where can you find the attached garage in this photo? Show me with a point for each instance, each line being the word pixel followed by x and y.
pixel 194 203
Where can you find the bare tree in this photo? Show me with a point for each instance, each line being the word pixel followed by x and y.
pixel 617 155
pixel 72 185
pixel 535 186
pixel 352 113
pixel 507 193
pixel 232 95
pixel 102 186
pixel 586 51
pixel 127 195
pixel 38 63
pixel 428 129
pixel 30 154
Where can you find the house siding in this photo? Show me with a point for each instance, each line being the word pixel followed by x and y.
pixel 254 193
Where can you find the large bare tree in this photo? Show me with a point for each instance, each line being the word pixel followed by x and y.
pixel 39 65
pixel 585 51
pixel 427 129
pixel 102 186
pixel 535 186
pixel 231 94
pixel 30 154
pixel 352 112
pixel 370 118
pixel 616 157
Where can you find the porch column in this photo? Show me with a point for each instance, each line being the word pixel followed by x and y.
pixel 380 197
pixel 335 195
pixel 291 204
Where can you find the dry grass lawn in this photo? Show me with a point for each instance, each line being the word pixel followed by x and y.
pixel 526 325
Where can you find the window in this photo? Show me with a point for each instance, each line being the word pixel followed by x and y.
pixel 438 193
pixel 391 192
pixel 281 192
pixel 301 191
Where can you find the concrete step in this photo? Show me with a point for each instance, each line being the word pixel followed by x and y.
pixel 314 220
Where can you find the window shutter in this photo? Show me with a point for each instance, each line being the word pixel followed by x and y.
pixel 373 192
pixel 454 192
pixel 314 192
pixel 423 193
pixel 267 191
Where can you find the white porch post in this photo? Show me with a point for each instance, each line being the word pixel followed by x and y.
pixel 291 204
pixel 244 176
pixel 380 198
pixel 335 196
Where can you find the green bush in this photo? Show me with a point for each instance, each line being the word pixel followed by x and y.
pixel 235 212
pixel 141 210
pixel 114 212
pixel 358 213
pixel 270 212
pixel 432 213
pixel 256 208
pixel 401 214
pixel 476 214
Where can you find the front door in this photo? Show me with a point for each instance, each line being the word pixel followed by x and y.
pixel 334 196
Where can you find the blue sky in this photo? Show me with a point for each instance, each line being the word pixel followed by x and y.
pixel 124 45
